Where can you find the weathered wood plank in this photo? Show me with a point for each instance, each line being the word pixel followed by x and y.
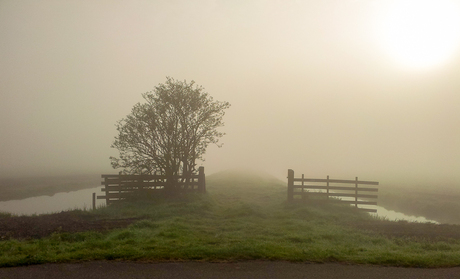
pixel 341 188
pixel 149 183
pixel 367 209
pixel 140 184
pixel 311 193
pixel 337 195
pixel 131 189
pixel 355 202
pixel 336 181
pixel 140 177
pixel 353 195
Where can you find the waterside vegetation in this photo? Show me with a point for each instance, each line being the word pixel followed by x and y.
pixel 241 217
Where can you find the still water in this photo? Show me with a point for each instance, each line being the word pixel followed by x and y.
pixel 82 199
pixel 396 216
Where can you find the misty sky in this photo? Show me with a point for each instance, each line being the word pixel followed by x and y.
pixel 314 85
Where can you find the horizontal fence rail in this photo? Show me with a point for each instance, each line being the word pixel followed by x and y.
pixel 332 190
pixel 120 187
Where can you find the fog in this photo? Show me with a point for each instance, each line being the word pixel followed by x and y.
pixel 311 84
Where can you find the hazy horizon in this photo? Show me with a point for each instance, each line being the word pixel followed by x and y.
pixel 320 87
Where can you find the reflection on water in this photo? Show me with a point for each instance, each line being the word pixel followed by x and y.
pixel 390 214
pixel 396 216
pixel 81 199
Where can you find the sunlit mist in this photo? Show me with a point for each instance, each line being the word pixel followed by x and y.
pixel 314 86
pixel 421 34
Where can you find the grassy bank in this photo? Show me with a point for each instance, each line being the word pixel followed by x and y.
pixel 242 217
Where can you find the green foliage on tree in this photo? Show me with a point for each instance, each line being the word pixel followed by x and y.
pixel 170 131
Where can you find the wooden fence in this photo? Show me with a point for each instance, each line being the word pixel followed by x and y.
pixel 120 187
pixel 302 189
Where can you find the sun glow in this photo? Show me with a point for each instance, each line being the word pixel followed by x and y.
pixel 421 33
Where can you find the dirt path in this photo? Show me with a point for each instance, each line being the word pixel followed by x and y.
pixel 250 270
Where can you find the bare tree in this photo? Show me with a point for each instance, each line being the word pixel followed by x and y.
pixel 170 132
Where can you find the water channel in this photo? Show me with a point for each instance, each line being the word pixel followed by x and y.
pixel 82 199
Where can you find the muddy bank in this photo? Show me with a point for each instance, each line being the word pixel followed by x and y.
pixel 33 227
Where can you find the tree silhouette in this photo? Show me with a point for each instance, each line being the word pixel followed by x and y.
pixel 169 132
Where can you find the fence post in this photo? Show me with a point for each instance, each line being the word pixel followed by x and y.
pixel 356 192
pixel 290 178
pixel 106 184
pixel 94 201
pixel 201 180
pixel 303 183
pixel 327 187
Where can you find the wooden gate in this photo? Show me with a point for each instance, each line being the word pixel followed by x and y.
pixel 302 189
pixel 120 187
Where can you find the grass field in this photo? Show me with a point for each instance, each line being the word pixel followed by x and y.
pixel 241 217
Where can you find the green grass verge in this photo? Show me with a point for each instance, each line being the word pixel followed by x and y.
pixel 242 217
